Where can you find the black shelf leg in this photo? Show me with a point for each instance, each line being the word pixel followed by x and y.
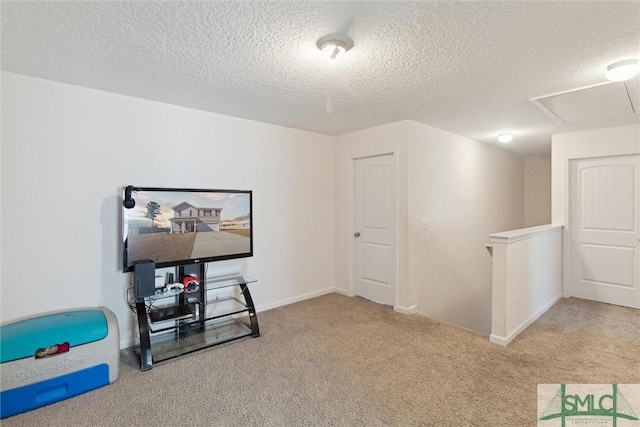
pixel 255 329
pixel 146 361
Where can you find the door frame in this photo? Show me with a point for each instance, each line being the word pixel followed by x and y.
pixel 351 210
pixel 568 270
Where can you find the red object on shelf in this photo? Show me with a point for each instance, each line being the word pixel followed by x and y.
pixel 191 284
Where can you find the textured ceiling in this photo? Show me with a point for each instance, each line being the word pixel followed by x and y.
pixel 466 67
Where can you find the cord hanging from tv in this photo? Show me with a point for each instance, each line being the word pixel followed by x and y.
pixel 179 226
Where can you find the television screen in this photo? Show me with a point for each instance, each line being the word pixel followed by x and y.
pixel 178 226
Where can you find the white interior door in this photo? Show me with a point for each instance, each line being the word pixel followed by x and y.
pixel 604 230
pixel 375 228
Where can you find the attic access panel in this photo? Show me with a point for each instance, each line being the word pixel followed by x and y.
pixel 603 101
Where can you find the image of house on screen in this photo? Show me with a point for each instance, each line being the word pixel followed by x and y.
pixel 191 219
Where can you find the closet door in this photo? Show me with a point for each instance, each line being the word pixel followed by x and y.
pixel 604 231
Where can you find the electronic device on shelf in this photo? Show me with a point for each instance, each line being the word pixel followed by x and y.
pixel 169 226
pixel 144 272
pixel 190 284
pixel 174 312
pixel 170 289
pixel 174 287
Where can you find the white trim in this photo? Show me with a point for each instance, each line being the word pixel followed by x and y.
pixel 566 233
pixel 553 116
pixel 341 291
pixel 524 233
pixel 406 310
pixel 295 299
pixel 351 247
pixel 602 156
pixel 496 339
pixel 127 343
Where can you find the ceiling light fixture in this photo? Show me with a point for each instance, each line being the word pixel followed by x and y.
pixel 623 70
pixel 505 138
pixel 334 45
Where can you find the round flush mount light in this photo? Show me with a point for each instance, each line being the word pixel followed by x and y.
pixel 505 138
pixel 333 46
pixel 623 70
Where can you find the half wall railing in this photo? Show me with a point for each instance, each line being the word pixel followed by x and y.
pixel 527 278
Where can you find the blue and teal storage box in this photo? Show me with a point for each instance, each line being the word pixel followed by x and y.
pixel 28 381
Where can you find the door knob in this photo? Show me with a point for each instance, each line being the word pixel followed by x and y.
pixel 357 234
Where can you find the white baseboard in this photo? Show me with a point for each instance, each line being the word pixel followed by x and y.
pixel 127 343
pixel 496 339
pixel 296 299
pixel 406 310
pixel 341 291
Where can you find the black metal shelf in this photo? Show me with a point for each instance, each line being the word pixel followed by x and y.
pixel 214 309
pixel 210 284
pixel 193 321
pixel 174 343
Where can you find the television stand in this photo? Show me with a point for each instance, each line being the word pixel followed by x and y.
pixel 172 324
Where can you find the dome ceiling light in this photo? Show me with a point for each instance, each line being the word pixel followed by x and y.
pixel 505 138
pixel 334 46
pixel 623 70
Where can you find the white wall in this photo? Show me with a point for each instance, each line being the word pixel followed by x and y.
pixel 465 191
pixel 574 145
pixel 68 150
pixel 1 196
pixel 378 140
pixel 527 278
pixel 537 190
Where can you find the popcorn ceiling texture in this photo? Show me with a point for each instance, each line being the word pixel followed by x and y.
pixel 465 67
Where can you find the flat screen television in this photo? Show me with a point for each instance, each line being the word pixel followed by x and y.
pixel 179 226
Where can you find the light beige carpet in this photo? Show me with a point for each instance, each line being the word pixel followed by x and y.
pixel 339 361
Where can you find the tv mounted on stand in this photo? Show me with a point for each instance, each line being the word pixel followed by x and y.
pixel 185 227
